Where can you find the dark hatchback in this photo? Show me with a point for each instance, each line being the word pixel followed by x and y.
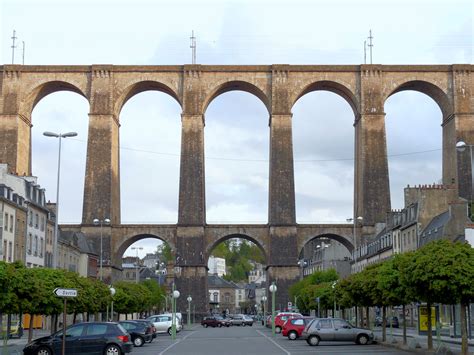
pixel 84 338
pixel 140 332
pixel 149 323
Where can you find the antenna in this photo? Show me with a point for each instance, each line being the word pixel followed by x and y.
pixel 13 46
pixel 193 47
pixel 370 45
pixel 23 59
pixel 365 52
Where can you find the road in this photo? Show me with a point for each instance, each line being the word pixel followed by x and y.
pixel 255 340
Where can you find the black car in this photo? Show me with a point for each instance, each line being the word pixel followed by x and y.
pixel 390 320
pixel 149 323
pixel 140 332
pixel 84 338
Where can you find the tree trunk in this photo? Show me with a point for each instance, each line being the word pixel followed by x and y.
pixel 30 332
pixel 464 348
pixel 9 325
pixel 361 318
pixel 344 313
pixel 126 316
pixel 88 316
pixel 384 323
pixel 367 316
pixel 356 317
pixel 430 333
pixel 404 325
pixel 56 320
pixel 74 318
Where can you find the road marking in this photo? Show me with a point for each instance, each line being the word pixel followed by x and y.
pixel 274 342
pixel 179 341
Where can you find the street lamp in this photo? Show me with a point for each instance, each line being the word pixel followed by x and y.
pixel 137 276
pixel 461 147
pixel 334 291
pixel 355 221
pixel 175 295
pixel 112 293
pixel 264 300
pixel 55 243
pixel 302 263
pixel 189 299
pixel 273 290
pixel 98 222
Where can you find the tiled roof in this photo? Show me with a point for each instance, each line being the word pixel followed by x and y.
pixel 216 281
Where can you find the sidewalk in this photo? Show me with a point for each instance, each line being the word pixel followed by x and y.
pixel 414 339
pixel 15 346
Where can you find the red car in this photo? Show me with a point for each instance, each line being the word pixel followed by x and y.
pixel 281 318
pixel 293 327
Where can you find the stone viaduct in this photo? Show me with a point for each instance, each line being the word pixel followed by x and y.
pixel 108 87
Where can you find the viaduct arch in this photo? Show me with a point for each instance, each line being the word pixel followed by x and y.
pixel 108 87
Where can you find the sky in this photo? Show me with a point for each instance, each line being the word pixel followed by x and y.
pixel 236 133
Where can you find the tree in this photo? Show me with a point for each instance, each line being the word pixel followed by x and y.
pixel 165 253
pixel 442 272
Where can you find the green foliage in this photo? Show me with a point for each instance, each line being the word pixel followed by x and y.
pixel 319 284
pixel 238 254
pixel 165 253
pixel 132 297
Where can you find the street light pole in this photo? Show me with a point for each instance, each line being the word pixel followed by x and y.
pixel 56 226
pixel 98 222
pixel 273 290
pixel 112 293
pixel 175 295
pixel 137 276
pixel 264 300
pixel 189 299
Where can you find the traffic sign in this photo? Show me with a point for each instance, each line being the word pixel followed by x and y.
pixel 290 305
pixel 65 292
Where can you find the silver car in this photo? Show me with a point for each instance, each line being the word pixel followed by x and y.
pixel 162 323
pixel 335 329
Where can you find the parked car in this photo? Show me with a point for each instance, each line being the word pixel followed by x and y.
pixel 215 321
pixel 163 323
pixel 335 329
pixel 248 320
pixel 390 320
pixel 293 327
pixel 140 332
pixel 84 338
pixel 238 319
pixel 281 318
pixel 150 323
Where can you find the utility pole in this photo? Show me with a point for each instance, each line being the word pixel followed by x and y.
pixel 23 59
pixel 193 47
pixel 14 37
pixel 370 45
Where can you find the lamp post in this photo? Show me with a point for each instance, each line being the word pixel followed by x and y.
pixel 175 295
pixel 334 291
pixel 461 147
pixel 166 302
pixel 189 299
pixel 112 293
pixel 302 264
pixel 264 300
pixel 55 242
pixel 137 276
pixel 98 222
pixel 355 221
pixel 273 290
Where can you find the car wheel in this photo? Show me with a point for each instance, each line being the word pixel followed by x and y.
pixel 138 342
pixel 313 340
pixel 292 335
pixel 362 339
pixel 219 325
pixel 277 330
pixel 44 351
pixel 170 331
pixel 112 349
pixel 205 325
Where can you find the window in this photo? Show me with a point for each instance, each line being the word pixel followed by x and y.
pixel 11 223
pixel 5 222
pixel 75 331
pixel 41 247
pixel 216 297
pixel 96 329
pixel 325 324
pixel 36 220
pixel 339 323
pixel 10 251
pixel 35 246
pixel 297 322
pixel 4 250
pixel 30 218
